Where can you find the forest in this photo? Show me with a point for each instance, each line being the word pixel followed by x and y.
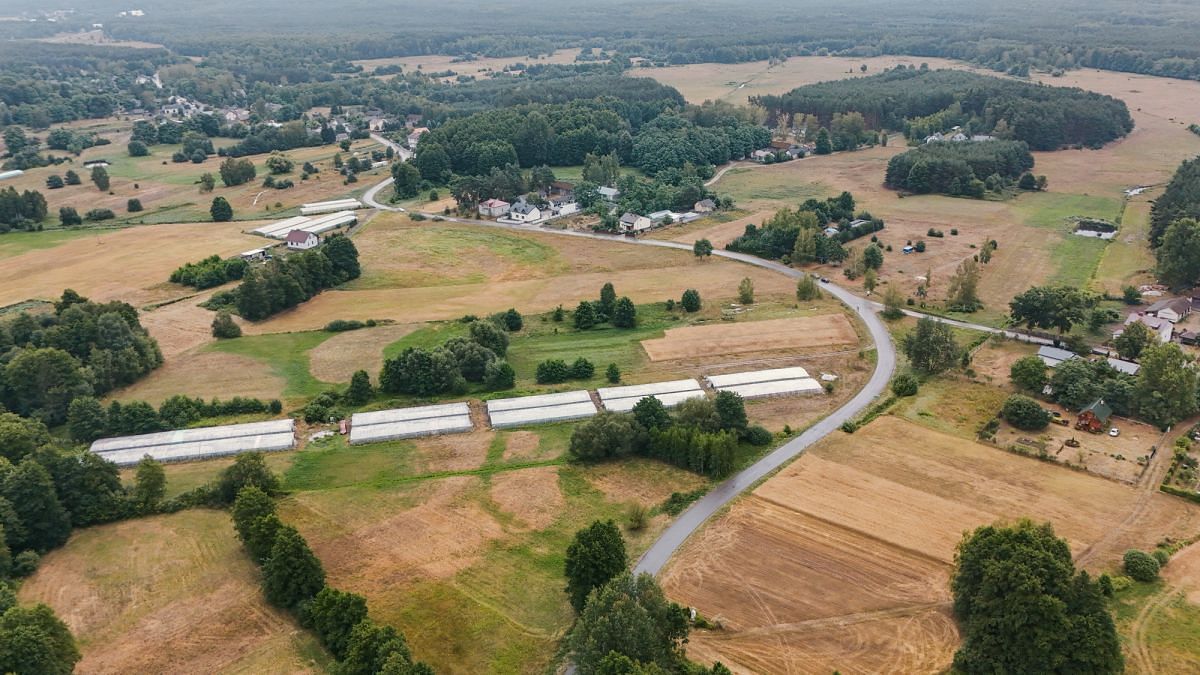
pixel 958 169
pixel 1047 118
pixel 1180 200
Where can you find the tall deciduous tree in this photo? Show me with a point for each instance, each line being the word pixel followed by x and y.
pixel 34 640
pixel 1166 385
pixel 624 313
pixel 333 614
pixel 1029 373
pixel 30 490
pixel 633 618
pixel 220 210
pixel 1179 253
pixel 149 484
pixel 595 556
pixel 930 347
pixel 292 574
pixel 1134 338
pixel 1059 307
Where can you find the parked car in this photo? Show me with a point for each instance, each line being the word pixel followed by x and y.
pixel 1114 432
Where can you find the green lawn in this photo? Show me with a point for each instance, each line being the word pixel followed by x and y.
pixel 1172 633
pixel 750 185
pixel 15 243
pixel 286 354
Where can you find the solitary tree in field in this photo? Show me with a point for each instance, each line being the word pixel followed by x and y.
pixel 691 300
pixel 930 347
pixel 224 327
pixel 596 555
pixel 608 299
pixel 71 178
pixel 703 248
pixel 220 210
pixel 807 289
pixel 585 315
pixel 746 291
pixel 207 182
pixel 893 304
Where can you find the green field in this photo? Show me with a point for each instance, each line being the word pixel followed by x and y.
pixel 285 353
pixel 16 243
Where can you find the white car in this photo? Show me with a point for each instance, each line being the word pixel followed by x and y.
pixel 1114 432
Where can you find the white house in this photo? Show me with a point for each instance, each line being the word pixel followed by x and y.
pixel 299 240
pixel 632 223
pixel 1161 328
pixel 563 208
pixel 524 212
pixel 608 193
pixel 415 136
pixel 494 208
pixel 1172 310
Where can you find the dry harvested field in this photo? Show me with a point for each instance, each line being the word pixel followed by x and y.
pixel 336 359
pixel 720 234
pixel 207 375
pixel 97 38
pixel 477 68
pixel 169 594
pixel 842 560
pixel 824 332
pixel 533 272
pixel 1033 229
pixel 130 264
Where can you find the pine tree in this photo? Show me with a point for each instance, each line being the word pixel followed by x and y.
pixel 220 210
pixel 360 390
pixel 624 313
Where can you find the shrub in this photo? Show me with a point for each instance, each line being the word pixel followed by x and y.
pixel 582 369
pixel 499 375
pixel 758 436
pixel 1025 413
pixel 513 321
pixel 1161 556
pixel 691 300
pixel 1141 565
pixel 905 385
pixel 224 327
pixel 341 325
pixel 553 371
pixel 637 517
pixel 920 246
pixel 613 373
pixel 99 214
pixel 25 563
pixel 133 205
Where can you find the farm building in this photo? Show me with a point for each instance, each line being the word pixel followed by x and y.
pixel 704 206
pixel 1052 356
pixel 317 208
pixel 1173 310
pixel 1094 418
pixel 399 423
pixel 11 174
pixel 670 394
pixel 203 443
pixel 316 225
pixel 766 383
pixel 494 208
pixel 542 409
pixel 563 207
pixel 299 240
pixel 254 255
pixel 1125 367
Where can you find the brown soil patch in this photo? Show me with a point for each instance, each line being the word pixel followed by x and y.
pixel 738 338
pixel 182 326
pixel 432 531
pixel 452 452
pixel 521 445
pixel 719 234
pixel 336 359
pixel 642 481
pixel 130 589
pixel 532 495
pixel 860 533
pixel 120 265
pixel 207 375
pixel 993 361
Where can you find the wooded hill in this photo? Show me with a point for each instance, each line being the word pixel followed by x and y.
pixel 1047 118
pixel 950 168
pixel 1180 200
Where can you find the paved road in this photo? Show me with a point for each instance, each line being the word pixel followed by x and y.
pixel 369 197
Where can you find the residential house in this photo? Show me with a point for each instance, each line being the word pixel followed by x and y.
pixel 494 208
pixel 1052 356
pixel 1173 310
pixel 763 156
pixel 979 138
pixel 632 223
pixel 704 206
pixel 299 240
pixel 411 121
pixel 254 255
pixel 935 138
pixel 1160 327
pixel 563 207
pixel 377 123
pixel 832 231
pixel 958 138
pixel 1094 418
pixel 560 189
pixel 524 212
pixel 660 217
pixel 609 193
pixel 415 136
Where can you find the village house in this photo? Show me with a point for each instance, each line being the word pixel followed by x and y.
pixel 763 156
pixel 377 123
pixel 415 136
pixel 299 240
pixel 524 212
pixel 411 121
pixel 608 193
pixel 563 207
pixel 632 223
pixel 559 189
pixel 1160 327
pixel 1173 310
pixel 1094 418
pixel 494 208
pixel 704 206
pixel 1125 367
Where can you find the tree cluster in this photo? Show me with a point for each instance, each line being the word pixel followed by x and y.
pixel 209 272
pixel 83 348
pixel 88 419
pixel 798 234
pixel 23 210
pixel 284 283
pixel 479 358
pixel 1180 200
pixel 1023 608
pixel 959 169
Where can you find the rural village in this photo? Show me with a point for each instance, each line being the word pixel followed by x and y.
pixel 581 356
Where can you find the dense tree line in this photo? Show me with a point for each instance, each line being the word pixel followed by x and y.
pixel 958 168
pixel 88 419
pixel 209 272
pixel 1181 199
pixel 1044 117
pixel 702 435
pixel 269 138
pixel 294 579
pixel 25 210
pixel 671 141
pixel 284 283
pixel 83 348
pixel 798 234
